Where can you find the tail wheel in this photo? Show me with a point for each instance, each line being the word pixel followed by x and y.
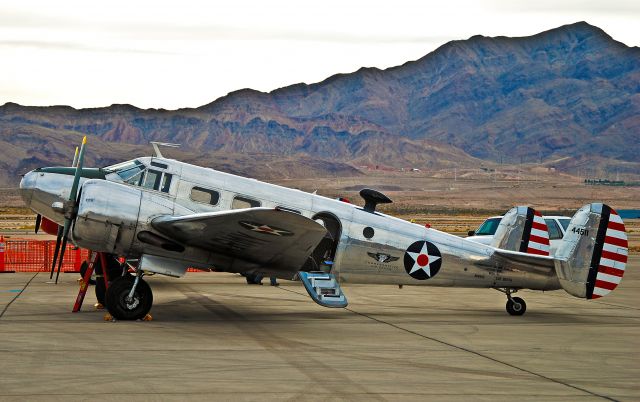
pixel 516 306
pixel 120 307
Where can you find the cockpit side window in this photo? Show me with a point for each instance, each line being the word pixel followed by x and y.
pixel 152 179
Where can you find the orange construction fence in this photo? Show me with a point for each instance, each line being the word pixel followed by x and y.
pixel 37 256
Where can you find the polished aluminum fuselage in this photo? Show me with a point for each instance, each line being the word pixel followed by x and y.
pixel 111 214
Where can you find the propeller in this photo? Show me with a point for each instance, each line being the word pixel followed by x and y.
pixel 75 158
pixel 38 221
pixel 70 209
pixel 55 254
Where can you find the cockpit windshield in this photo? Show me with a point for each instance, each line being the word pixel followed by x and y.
pixel 136 173
pixel 130 172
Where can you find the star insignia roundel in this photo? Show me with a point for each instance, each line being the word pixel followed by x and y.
pixel 265 229
pixel 422 260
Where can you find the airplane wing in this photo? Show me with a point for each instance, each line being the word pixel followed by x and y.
pixel 268 237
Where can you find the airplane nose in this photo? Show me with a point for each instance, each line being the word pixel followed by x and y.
pixel 27 185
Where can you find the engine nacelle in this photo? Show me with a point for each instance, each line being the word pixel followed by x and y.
pixel 108 215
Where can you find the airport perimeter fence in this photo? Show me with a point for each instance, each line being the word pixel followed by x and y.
pixel 37 256
pixel 17 255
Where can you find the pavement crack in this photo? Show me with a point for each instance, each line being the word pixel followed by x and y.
pixel 17 295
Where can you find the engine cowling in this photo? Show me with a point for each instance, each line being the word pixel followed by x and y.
pixel 107 216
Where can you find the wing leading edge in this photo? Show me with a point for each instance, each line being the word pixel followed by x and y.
pixel 273 238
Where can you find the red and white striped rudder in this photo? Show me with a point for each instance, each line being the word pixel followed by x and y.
pixel 522 229
pixel 593 255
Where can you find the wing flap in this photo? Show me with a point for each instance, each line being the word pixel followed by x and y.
pixel 273 238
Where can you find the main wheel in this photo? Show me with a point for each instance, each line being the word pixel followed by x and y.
pixel 134 309
pixel 516 306
pixel 114 271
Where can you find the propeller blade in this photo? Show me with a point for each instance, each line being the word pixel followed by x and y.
pixel 55 254
pixel 76 178
pixel 70 215
pixel 75 158
pixel 38 221
pixel 65 236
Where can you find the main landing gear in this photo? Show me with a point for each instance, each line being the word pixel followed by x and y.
pixel 129 297
pixel 515 305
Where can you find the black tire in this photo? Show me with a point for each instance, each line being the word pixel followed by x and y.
pixel 114 270
pixel 116 299
pixel 101 290
pixel 516 306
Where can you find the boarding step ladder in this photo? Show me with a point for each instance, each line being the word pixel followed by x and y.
pixel 323 288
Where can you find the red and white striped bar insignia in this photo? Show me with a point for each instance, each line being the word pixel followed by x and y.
pixel 613 259
pixel 539 237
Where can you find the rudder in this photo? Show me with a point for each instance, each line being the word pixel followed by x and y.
pixel 522 229
pixel 592 257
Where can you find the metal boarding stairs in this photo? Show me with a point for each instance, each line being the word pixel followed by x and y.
pixel 323 288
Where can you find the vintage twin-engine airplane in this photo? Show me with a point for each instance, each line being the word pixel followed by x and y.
pixel 169 215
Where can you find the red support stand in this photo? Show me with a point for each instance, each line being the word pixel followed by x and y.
pixel 84 283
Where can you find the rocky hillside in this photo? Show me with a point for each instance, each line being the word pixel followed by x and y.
pixel 569 92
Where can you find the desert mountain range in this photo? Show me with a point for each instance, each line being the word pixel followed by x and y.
pixel 568 97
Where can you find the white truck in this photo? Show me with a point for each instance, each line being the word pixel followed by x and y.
pixel 557 226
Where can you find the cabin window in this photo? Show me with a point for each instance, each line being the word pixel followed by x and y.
pixel 240 202
pixel 205 196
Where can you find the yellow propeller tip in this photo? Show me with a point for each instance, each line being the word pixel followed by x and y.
pixel 84 140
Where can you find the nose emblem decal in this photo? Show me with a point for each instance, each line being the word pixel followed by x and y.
pixel 422 260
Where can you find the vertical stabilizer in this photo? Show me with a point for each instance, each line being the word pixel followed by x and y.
pixel 522 229
pixel 593 255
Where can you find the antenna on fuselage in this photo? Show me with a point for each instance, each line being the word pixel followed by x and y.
pixel 155 145
pixel 372 198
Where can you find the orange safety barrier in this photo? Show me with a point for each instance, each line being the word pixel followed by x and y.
pixel 37 256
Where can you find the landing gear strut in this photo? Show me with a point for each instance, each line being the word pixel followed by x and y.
pixel 515 305
pixel 129 298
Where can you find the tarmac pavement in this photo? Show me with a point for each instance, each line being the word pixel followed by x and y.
pixel 213 337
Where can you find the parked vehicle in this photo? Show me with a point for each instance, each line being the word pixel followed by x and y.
pixel 557 227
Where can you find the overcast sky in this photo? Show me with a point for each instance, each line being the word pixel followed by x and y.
pixel 169 54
